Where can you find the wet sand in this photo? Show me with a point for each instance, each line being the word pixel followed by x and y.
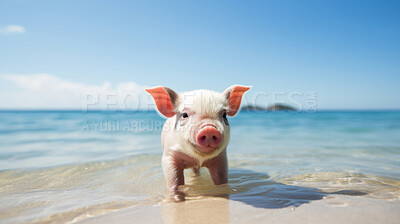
pixel 338 209
pixel 251 197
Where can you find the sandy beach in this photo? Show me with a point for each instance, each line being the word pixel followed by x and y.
pixel 377 204
pixel 101 193
pixel 338 209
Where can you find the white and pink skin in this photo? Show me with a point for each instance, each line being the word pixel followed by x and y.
pixel 196 133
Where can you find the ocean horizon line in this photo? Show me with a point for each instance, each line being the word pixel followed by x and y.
pixel 153 111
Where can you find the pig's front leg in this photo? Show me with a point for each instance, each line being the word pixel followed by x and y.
pixel 218 168
pixel 174 177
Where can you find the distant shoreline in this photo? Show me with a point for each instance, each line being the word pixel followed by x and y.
pixel 272 108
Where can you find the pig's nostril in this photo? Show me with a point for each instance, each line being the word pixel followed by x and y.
pixel 208 137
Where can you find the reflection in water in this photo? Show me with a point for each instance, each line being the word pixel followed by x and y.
pixel 194 211
pixel 203 198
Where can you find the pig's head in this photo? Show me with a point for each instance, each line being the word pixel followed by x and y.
pixel 200 117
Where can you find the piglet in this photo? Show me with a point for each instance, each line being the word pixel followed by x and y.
pixel 196 133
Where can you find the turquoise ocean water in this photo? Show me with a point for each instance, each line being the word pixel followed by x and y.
pixel 57 163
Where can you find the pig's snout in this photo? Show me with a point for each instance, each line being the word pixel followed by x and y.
pixel 208 138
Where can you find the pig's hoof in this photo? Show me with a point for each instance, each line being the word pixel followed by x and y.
pixel 178 196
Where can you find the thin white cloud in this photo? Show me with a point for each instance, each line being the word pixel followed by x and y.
pixel 47 82
pixel 12 29
pixel 45 91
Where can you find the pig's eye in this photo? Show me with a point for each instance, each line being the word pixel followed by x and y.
pixel 225 119
pixel 185 115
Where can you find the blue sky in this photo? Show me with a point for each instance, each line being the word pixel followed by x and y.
pixel 347 52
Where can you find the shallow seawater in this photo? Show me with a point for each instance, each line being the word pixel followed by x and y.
pixel 69 166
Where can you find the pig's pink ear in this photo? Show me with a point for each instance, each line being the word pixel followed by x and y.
pixel 234 95
pixel 165 99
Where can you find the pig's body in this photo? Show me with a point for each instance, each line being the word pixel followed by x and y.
pixel 176 158
pixel 196 134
